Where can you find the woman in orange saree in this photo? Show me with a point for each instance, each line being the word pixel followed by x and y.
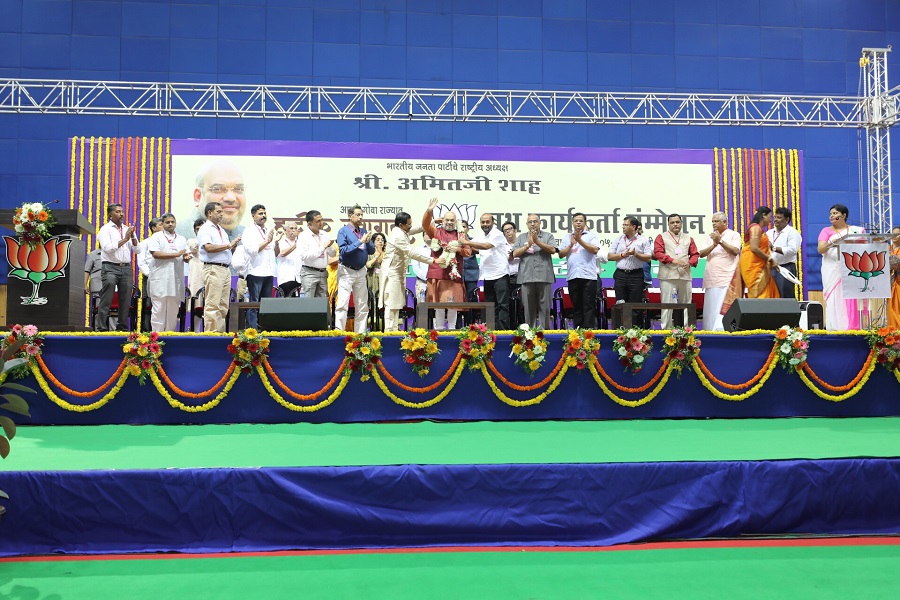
pixel 894 302
pixel 755 269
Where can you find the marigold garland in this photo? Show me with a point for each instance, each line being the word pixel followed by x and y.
pixel 739 386
pixel 43 367
pixel 632 390
pixel 162 373
pixel 520 403
pixel 77 407
pixel 840 388
pixel 667 370
pixel 460 367
pixel 839 398
pixel 736 397
pixel 175 403
pixel 295 395
pixel 300 408
pixel 420 390
pixel 528 388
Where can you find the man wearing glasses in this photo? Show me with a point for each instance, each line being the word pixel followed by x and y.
pixel 536 249
pixel 288 259
pixel 722 251
pixel 354 247
pixel 314 247
pixel 222 182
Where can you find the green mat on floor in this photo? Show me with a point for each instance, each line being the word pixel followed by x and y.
pixel 303 444
pixel 733 573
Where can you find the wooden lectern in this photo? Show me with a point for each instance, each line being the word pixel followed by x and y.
pixel 42 288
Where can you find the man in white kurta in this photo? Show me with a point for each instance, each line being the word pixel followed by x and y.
pixel 166 280
pixel 722 251
pixel 392 284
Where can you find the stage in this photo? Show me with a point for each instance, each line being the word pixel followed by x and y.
pixel 223 488
pixel 303 383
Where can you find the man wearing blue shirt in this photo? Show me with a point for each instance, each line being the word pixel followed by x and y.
pixel 354 248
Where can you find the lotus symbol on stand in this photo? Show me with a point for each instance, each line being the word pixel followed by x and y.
pixel 45 262
pixel 865 265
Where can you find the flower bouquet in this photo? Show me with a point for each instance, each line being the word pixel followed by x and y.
pixel 362 352
pixel 249 349
pixel 632 347
pixel 529 347
pixel 681 347
pixel 581 348
pixel 33 221
pixel 791 346
pixel 448 257
pixel 420 349
pixel 142 352
pixel 31 348
pixel 476 344
pixel 886 344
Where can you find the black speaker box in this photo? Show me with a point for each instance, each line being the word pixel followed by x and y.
pixel 288 314
pixel 762 313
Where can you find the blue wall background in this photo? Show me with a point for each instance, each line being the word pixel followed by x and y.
pixel 757 46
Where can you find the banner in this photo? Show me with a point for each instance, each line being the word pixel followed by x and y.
pixel 291 178
pixel 866 271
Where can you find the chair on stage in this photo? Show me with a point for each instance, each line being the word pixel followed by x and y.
pixel 562 311
pixel 408 312
pixel 114 309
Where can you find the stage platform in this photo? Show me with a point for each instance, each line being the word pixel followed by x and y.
pixel 222 488
pixel 303 384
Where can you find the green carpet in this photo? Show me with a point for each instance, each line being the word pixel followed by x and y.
pixel 303 444
pixel 733 573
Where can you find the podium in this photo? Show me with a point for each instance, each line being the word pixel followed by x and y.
pixel 866 276
pixel 45 286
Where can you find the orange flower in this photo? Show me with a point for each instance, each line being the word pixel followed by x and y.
pixel 782 334
pixel 576 343
pixel 42 216
pixel 884 331
pixel 889 340
pixel 589 335
pixel 796 343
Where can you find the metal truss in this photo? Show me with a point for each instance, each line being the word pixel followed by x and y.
pixel 400 104
pixel 880 112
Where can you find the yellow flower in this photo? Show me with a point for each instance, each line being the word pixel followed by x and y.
pixel 244 355
pixel 474 352
pixel 264 343
pixel 420 343
pixel 473 335
pixel 670 341
pixel 251 333
pixel 349 347
pixel 533 365
pixel 517 348
pixel 134 370
pixel 691 340
pixel 423 371
pixel 419 332
pixel 143 351
pixel 431 348
pixel 364 378
pixel 573 335
pixel 571 361
pixel 126 349
pixel 143 339
pixel 529 355
pixel 365 350
pixel 404 345
pixel 376 343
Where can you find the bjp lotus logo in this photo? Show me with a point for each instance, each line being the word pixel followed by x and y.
pixel 865 265
pixel 45 262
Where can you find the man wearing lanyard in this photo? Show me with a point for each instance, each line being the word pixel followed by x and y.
pixel 354 247
pixel 676 253
pixel 165 284
pixel 630 251
pixel 785 243
pixel 314 248
pixel 259 244
pixel 116 246
pixel 215 253
pixel 580 250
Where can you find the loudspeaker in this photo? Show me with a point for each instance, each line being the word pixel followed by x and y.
pixel 762 313
pixel 289 314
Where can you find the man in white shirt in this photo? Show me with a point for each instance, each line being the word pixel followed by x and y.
pixel 259 244
pixel 165 284
pixel 581 249
pixel 288 259
pixel 785 242
pixel 145 264
pixel 494 250
pixel 722 251
pixel 314 247
pixel 676 252
pixel 630 251
pixel 215 253
pixel 116 246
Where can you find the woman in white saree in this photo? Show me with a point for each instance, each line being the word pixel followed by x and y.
pixel 840 314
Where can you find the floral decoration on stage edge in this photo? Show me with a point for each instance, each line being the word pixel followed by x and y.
pixel 581 346
pixel 791 346
pixel 476 344
pixel 362 352
pixel 529 348
pixel 33 222
pixel 249 348
pixel 682 347
pixel 142 352
pixel 34 340
pixel 886 344
pixel 420 349
pixel 632 347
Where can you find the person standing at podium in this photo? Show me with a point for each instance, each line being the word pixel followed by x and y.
pixel 676 253
pixel 840 314
pixel 117 243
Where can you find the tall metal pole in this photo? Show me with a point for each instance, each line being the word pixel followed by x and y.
pixel 879 113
